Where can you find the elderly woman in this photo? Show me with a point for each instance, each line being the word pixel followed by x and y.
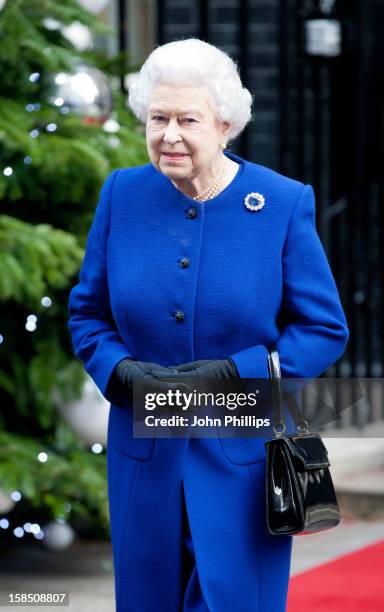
pixel 196 264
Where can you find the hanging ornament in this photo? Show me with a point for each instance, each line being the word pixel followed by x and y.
pixel 93 6
pixel 6 503
pixel 111 126
pixel 86 92
pixel 58 535
pixel 88 416
pixel 52 24
pixel 79 35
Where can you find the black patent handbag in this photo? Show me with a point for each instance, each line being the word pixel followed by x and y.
pixel 300 497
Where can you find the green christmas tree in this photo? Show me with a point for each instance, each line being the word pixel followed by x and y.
pixel 53 163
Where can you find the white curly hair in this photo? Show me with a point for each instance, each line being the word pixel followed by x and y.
pixel 194 61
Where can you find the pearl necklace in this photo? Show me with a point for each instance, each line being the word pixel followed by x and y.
pixel 210 191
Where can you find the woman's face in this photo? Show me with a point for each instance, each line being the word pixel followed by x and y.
pixel 180 119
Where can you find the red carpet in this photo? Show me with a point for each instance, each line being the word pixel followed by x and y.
pixel 351 583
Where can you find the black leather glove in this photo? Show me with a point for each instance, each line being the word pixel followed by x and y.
pixel 154 375
pixel 129 371
pixel 208 368
pixel 198 374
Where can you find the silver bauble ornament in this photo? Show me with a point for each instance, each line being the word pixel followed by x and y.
pixel 58 535
pixel 6 503
pixel 85 92
pixel 88 416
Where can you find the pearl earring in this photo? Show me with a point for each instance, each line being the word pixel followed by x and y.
pixel 223 145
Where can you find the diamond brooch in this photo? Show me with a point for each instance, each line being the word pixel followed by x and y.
pixel 254 201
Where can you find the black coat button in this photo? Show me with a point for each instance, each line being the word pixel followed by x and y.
pixel 192 213
pixel 184 262
pixel 179 315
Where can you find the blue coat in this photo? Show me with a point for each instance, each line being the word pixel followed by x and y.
pixel 254 279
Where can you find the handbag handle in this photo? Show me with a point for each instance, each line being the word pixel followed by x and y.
pixel 277 398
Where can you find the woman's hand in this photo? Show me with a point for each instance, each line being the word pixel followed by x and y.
pixel 208 368
pixel 156 377
pixel 199 374
pixel 130 371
